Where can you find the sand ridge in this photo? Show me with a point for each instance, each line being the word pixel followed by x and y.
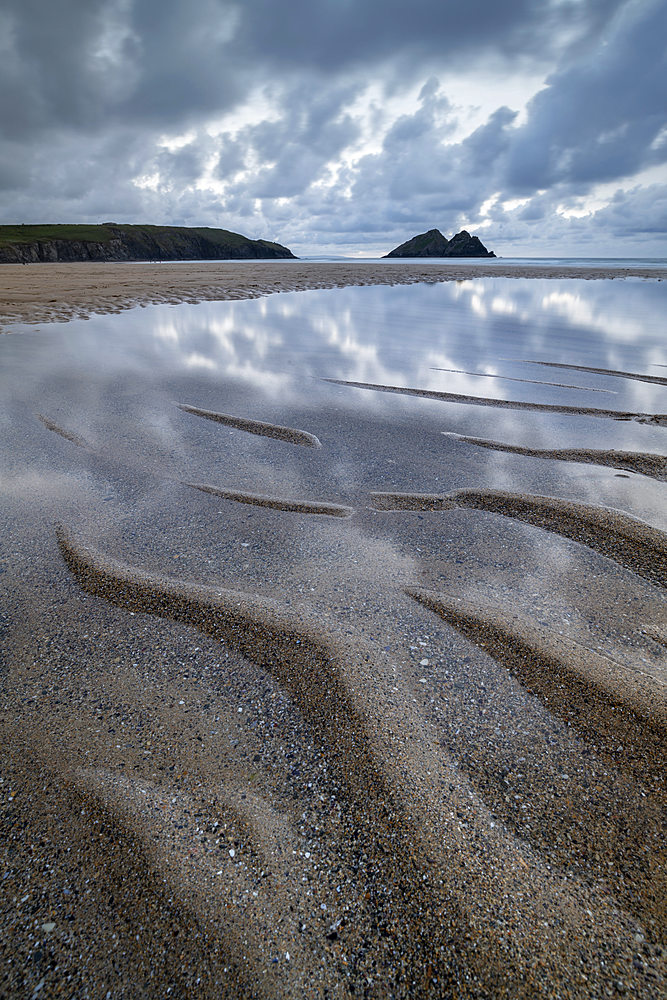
pixel 564 672
pixel 530 381
pixel 627 540
pixel 507 404
pixel 612 372
pixel 645 463
pixel 276 503
pixel 290 434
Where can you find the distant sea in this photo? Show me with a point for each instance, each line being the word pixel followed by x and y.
pixel 610 262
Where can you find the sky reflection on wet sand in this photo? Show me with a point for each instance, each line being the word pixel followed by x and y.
pixel 271 659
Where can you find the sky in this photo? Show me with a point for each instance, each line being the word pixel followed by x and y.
pixel 343 127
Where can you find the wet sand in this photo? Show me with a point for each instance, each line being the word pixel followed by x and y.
pixel 42 293
pixel 628 541
pixel 282 717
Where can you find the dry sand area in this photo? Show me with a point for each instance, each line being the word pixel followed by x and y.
pixel 264 736
pixel 39 293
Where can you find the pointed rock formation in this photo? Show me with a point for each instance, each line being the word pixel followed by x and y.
pixel 434 244
pixel 465 245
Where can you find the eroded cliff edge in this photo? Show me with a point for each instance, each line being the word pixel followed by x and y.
pixel 115 242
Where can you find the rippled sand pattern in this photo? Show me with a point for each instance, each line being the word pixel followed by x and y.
pixel 625 539
pixel 320 721
pixel 396 817
pixel 45 293
pixel 287 646
pixel 579 683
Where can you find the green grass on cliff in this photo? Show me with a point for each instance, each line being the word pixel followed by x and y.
pixel 103 233
pixel 36 234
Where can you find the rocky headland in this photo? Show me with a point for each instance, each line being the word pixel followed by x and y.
pixel 115 242
pixel 434 244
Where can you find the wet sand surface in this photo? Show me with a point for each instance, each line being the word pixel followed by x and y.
pixel 379 716
pixel 40 293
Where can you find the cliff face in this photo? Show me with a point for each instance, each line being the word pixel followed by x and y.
pixel 434 244
pixel 110 242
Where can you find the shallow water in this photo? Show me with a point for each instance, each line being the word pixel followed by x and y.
pixel 388 736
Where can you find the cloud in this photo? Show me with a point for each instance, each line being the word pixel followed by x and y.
pixel 641 212
pixel 62 64
pixel 292 152
pixel 84 64
pixel 87 63
pixel 334 35
pixel 337 122
pixel 598 118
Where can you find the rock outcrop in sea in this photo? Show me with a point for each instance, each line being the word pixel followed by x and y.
pixel 114 242
pixel 434 244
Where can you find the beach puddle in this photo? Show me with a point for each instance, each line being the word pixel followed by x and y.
pixel 381 714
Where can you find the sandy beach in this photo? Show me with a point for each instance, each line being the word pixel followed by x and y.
pixel 41 293
pixel 323 678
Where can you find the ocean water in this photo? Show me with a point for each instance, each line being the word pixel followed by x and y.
pixel 344 612
pixel 613 263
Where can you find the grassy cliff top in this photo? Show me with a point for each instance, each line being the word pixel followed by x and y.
pixel 106 231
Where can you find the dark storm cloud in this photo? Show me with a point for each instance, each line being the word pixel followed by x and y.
pixel 85 64
pixel 45 72
pixel 81 63
pixel 597 119
pixel 332 35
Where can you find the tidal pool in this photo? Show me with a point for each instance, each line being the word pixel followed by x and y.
pixel 334 642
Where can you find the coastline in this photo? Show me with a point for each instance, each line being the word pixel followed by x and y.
pixel 48 293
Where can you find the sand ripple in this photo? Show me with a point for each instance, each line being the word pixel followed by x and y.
pixel 289 434
pixel 509 404
pixel 63 432
pixel 289 647
pixel 530 381
pixel 579 683
pixel 276 503
pixel 625 539
pixel 645 463
pixel 653 379
pixel 435 893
